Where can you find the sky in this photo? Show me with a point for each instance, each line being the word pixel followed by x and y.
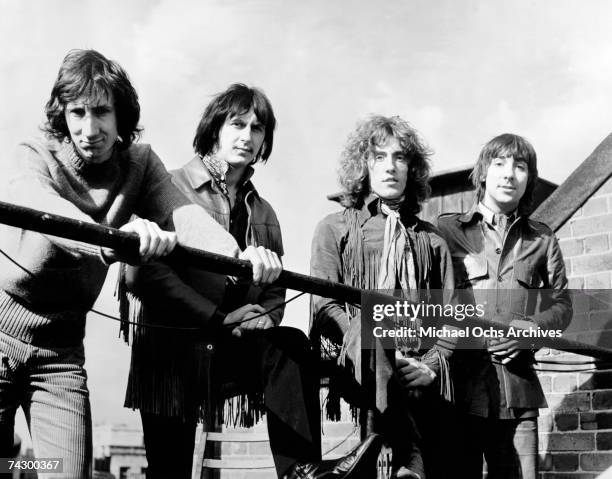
pixel 460 71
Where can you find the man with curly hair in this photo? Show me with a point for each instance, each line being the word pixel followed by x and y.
pixel 377 242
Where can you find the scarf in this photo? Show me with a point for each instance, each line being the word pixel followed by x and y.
pixel 397 268
pixel 217 169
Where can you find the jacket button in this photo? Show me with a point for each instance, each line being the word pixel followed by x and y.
pixel 498 250
pixel 500 279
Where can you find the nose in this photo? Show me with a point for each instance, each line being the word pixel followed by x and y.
pixel 508 170
pixel 89 126
pixel 389 164
pixel 246 134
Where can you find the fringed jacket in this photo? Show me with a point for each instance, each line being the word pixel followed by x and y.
pixel 170 369
pixel 347 248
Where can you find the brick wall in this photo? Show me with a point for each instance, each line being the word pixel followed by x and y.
pixel 576 430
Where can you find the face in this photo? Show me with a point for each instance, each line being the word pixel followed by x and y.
pixel 240 139
pixel 388 170
pixel 93 127
pixel 506 182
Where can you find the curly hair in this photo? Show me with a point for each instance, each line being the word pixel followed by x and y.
pixel 375 131
pixel 504 146
pixel 89 74
pixel 236 100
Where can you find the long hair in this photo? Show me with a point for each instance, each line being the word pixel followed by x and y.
pixel 89 74
pixel 504 146
pixel 236 100
pixel 373 132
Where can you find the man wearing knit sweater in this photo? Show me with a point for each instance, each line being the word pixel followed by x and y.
pixel 86 168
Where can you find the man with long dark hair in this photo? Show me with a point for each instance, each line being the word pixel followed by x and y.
pixel 270 366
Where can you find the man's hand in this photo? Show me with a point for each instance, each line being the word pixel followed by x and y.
pixel 266 264
pixel 240 320
pixel 507 349
pixel 413 373
pixel 154 242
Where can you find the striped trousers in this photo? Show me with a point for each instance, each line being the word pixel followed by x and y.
pixel 50 385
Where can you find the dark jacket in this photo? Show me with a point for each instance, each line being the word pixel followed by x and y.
pixel 529 283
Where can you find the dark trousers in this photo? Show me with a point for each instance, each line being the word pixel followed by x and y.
pixel 169 444
pixel 509 446
pixel 278 362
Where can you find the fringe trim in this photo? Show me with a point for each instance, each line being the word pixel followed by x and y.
pixel 444 377
pixel 130 307
pixel 358 270
pixel 244 410
pixel 446 383
pixel 331 405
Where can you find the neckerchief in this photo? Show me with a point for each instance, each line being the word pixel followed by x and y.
pixel 217 169
pixel 397 267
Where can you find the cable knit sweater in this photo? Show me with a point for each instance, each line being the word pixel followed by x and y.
pixel 47 303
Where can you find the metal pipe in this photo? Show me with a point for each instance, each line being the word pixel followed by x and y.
pixel 127 243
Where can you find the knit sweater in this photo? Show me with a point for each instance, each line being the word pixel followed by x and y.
pixel 45 296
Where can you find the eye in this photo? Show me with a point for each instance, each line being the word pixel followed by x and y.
pixel 101 110
pixel 76 112
pixel 402 159
pixel 237 123
pixel 521 166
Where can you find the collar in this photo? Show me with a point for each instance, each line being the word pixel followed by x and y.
pixel 198 175
pixel 371 208
pixel 69 156
pixel 475 213
pixel 470 215
pixel 491 217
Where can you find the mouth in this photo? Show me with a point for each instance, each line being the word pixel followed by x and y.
pixel 506 188
pixel 246 151
pixel 91 144
pixel 389 180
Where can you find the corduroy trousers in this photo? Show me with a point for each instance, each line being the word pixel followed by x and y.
pixel 50 385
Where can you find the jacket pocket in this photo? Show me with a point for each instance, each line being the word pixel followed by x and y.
pixel 469 269
pixel 527 276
